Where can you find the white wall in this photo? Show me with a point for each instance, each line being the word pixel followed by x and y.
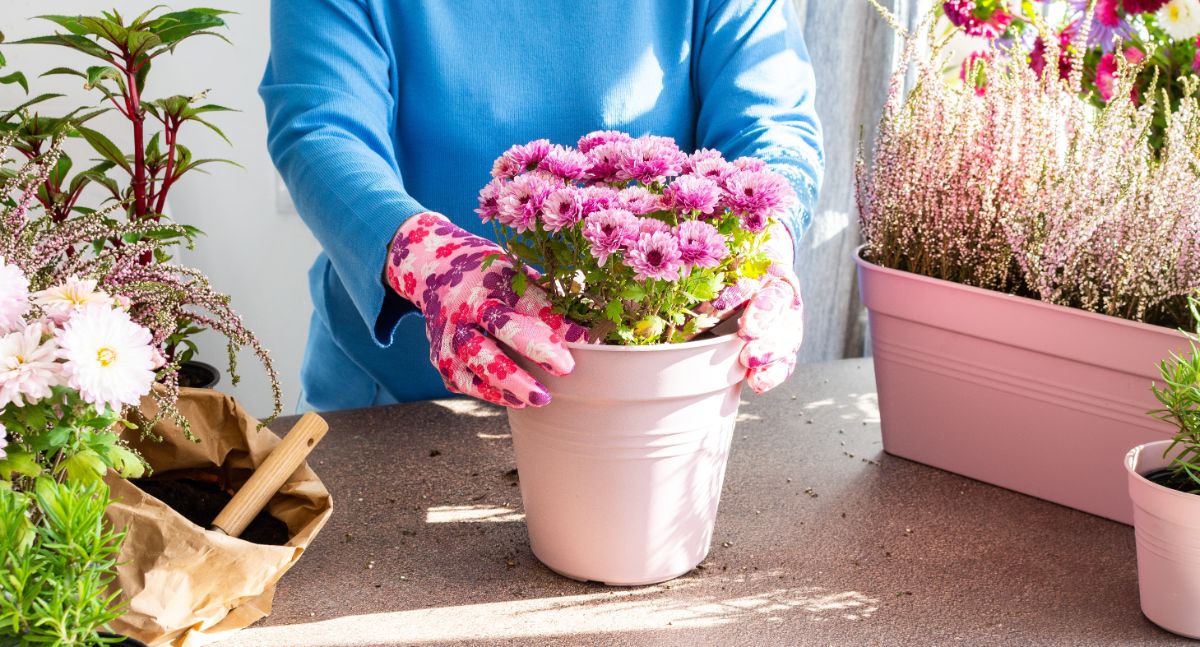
pixel 257 250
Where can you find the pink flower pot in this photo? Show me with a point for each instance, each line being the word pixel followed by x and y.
pixel 971 380
pixel 621 473
pixel 1167 527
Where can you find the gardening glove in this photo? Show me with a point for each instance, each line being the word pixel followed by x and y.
pixel 773 322
pixel 438 266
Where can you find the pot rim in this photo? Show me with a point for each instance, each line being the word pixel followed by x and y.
pixel 1028 301
pixel 616 348
pixel 1131 460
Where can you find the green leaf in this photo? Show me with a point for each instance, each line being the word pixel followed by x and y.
pixel 634 292
pixel 106 148
pixel 36 100
pixel 489 259
pixel 97 73
pixel 520 282
pixel 174 27
pixel 105 28
pixel 72 24
pixel 15 77
pixel 77 43
pixel 86 466
pixel 21 463
pixel 127 463
pixel 140 42
pixel 614 311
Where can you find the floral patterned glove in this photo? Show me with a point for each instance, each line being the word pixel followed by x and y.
pixel 438 267
pixel 773 322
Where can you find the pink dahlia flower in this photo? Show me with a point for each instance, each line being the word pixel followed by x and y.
pixel 655 256
pixel 607 231
pixel 1106 71
pixel 109 358
pixel 29 369
pixel 14 297
pixel 975 20
pixel 700 244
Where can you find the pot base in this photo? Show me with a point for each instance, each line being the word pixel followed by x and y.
pixel 650 582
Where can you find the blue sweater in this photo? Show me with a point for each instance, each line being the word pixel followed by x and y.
pixel 381 109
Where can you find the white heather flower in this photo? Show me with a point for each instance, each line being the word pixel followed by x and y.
pixel 61 301
pixel 14 296
pixel 109 358
pixel 1180 19
pixel 28 367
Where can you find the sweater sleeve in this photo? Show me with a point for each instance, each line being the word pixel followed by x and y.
pixel 755 85
pixel 330 118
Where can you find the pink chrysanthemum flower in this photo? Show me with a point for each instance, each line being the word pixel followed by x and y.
pixel 607 231
pixel 29 369
pixel 565 163
pixel 599 198
pixel 749 164
pixel 757 196
pixel 700 244
pixel 3 441
pixel 640 201
pixel 520 158
pixel 693 193
pixel 605 159
pixel 650 160
pixel 520 202
pixel 563 208
pixel 488 200
pixel 14 297
pixel 655 256
pixel 704 155
pixel 649 226
pixel 61 301
pixel 600 137
pixel 975 20
pixel 109 358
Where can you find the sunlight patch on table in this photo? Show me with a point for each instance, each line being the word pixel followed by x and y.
pixel 469 407
pixel 471 514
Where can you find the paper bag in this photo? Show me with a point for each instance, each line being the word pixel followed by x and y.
pixel 185 585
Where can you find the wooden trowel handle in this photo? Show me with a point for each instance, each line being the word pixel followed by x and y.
pixel 270 476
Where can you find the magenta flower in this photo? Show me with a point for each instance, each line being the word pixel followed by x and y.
pixel 488 196
pixel 599 137
pixel 704 155
pixel 976 20
pixel 757 196
pixel 752 164
pixel 655 256
pixel 640 201
pixel 1106 71
pixel 1196 62
pixel 649 226
pixel 520 202
pixel 563 208
pixel 1108 25
pixel 565 163
pixel 650 159
pixel 700 244
pixel 607 231
pixel 692 193
pixel 604 159
pixel 520 158
pixel 599 198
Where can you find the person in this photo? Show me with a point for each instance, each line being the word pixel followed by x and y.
pixel 383 115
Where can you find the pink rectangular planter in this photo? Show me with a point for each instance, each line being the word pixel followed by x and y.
pixel 1033 397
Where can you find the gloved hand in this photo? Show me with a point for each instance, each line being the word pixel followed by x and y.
pixel 773 322
pixel 438 267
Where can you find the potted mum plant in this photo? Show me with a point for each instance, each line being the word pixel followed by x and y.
pixel 1164 483
pixel 621 473
pixel 1028 255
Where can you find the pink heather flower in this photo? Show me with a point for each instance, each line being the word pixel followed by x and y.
pixel 520 158
pixel 1037 56
pixel 109 358
pixel 520 202
pixel 757 196
pixel 973 72
pixel 701 156
pixel 649 226
pixel 14 297
pixel 1106 70
pixel 28 368
pixel 600 198
pixel 700 244
pixel 565 163
pixel 640 201
pixel 692 193
pixel 62 301
pixel 650 159
pixel 1108 25
pixel 607 231
pixel 654 256
pixel 975 20
pixel 604 160
pixel 600 137
pixel 563 208
pixel 489 208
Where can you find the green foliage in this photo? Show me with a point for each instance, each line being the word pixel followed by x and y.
pixel 58 558
pixel 1180 399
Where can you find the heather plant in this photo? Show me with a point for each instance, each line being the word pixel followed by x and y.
pixel 632 237
pixel 1180 399
pixel 1013 184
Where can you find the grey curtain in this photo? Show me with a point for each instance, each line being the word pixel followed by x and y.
pixel 853 52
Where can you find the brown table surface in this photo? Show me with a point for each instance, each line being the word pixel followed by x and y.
pixel 822 539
